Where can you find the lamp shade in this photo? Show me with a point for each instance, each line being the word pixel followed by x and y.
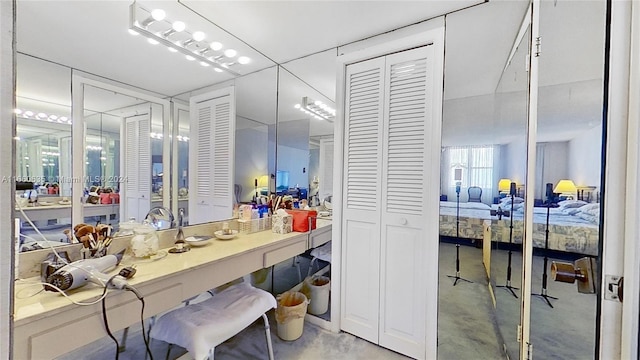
pixel 263 181
pixel 565 187
pixel 504 185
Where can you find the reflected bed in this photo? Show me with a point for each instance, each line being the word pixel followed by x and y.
pixel 569 231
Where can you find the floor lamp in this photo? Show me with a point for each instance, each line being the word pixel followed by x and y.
pixel 543 292
pixel 457 276
pixel 512 193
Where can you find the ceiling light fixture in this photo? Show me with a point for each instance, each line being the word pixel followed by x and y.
pixel 317 109
pixel 28 114
pixel 190 44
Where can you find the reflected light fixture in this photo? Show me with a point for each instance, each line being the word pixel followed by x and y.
pixel 504 185
pixel 157 28
pixel 28 114
pixel 566 187
pixel 317 109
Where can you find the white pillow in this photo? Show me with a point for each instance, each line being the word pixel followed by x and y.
pixel 568 204
pixel 591 209
pixel 507 200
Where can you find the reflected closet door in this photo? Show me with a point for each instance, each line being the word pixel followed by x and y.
pixel 137 164
pixel 211 156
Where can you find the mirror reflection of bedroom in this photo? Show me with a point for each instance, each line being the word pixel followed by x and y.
pixel 483 186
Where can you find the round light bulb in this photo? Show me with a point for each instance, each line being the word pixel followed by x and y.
pixel 198 36
pixel 297 106
pixel 244 60
pixel 230 53
pixel 17 111
pixel 28 113
pixel 53 117
pixel 217 70
pixel 158 14
pixel 215 46
pixel 178 26
pixel 204 63
pixel 133 32
pixel 172 49
pixel 317 102
pixel 152 41
pixel 190 58
pixel 42 115
pixel 63 118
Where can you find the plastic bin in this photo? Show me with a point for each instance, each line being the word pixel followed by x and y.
pixel 318 292
pixel 292 306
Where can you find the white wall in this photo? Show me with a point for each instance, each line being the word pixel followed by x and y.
pixel 584 158
pixel 250 159
pixel 514 155
pixel 295 161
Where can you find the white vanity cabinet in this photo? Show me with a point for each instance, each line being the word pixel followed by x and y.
pixel 389 232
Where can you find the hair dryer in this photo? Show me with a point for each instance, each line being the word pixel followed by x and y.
pixel 78 273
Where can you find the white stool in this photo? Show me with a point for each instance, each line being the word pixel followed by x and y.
pixel 323 253
pixel 201 327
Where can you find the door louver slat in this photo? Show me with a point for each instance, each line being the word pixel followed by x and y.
pixel 362 137
pixel 406 132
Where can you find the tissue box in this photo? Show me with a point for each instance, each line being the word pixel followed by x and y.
pixel 282 224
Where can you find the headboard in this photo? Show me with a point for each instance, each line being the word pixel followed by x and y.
pixel 588 194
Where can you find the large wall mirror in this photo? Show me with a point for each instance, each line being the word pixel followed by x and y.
pixel 305 138
pixel 483 158
pixel 567 182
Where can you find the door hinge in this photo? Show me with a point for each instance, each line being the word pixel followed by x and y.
pixel 529 351
pixel 519 332
pixel 538 45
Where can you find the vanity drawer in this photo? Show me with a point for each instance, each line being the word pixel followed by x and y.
pixel 318 238
pixel 284 253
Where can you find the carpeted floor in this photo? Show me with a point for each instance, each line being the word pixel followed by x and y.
pixel 468 326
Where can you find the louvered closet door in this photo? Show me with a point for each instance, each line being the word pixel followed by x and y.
pixel 361 193
pixel 407 121
pixel 211 157
pixel 137 163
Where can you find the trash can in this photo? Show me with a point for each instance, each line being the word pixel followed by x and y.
pixel 317 289
pixel 292 306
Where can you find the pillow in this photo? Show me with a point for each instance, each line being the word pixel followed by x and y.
pixel 591 209
pixel 570 211
pixel 507 200
pixel 588 217
pixel 569 204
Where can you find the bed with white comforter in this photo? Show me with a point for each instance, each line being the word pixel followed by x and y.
pixel 573 227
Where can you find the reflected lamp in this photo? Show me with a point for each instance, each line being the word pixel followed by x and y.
pixel 565 188
pixel 504 185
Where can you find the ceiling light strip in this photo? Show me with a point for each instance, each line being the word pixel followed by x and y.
pixel 133 25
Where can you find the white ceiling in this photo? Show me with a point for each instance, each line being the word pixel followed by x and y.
pixel 92 37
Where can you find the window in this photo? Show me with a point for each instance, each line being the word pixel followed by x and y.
pixel 476 165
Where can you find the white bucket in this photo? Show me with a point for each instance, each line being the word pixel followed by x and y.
pixel 319 287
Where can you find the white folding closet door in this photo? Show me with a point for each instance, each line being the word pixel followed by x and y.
pixel 137 164
pixel 211 157
pixel 407 120
pixel 388 120
pixel 360 287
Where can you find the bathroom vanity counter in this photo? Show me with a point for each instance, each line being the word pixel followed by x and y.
pixel 57 211
pixel 47 325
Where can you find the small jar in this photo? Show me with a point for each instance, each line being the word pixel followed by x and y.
pixel 144 242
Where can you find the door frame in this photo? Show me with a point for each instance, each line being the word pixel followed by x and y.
pixel 431 33
pixel 630 335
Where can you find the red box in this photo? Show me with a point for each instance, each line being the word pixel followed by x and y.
pixel 301 219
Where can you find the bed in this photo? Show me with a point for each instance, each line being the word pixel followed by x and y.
pixel 573 227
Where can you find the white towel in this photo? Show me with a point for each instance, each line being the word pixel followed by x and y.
pixel 205 325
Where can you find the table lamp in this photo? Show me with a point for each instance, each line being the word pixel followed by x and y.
pixel 504 185
pixel 566 188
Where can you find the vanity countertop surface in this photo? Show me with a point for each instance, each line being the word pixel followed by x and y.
pixel 32 303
